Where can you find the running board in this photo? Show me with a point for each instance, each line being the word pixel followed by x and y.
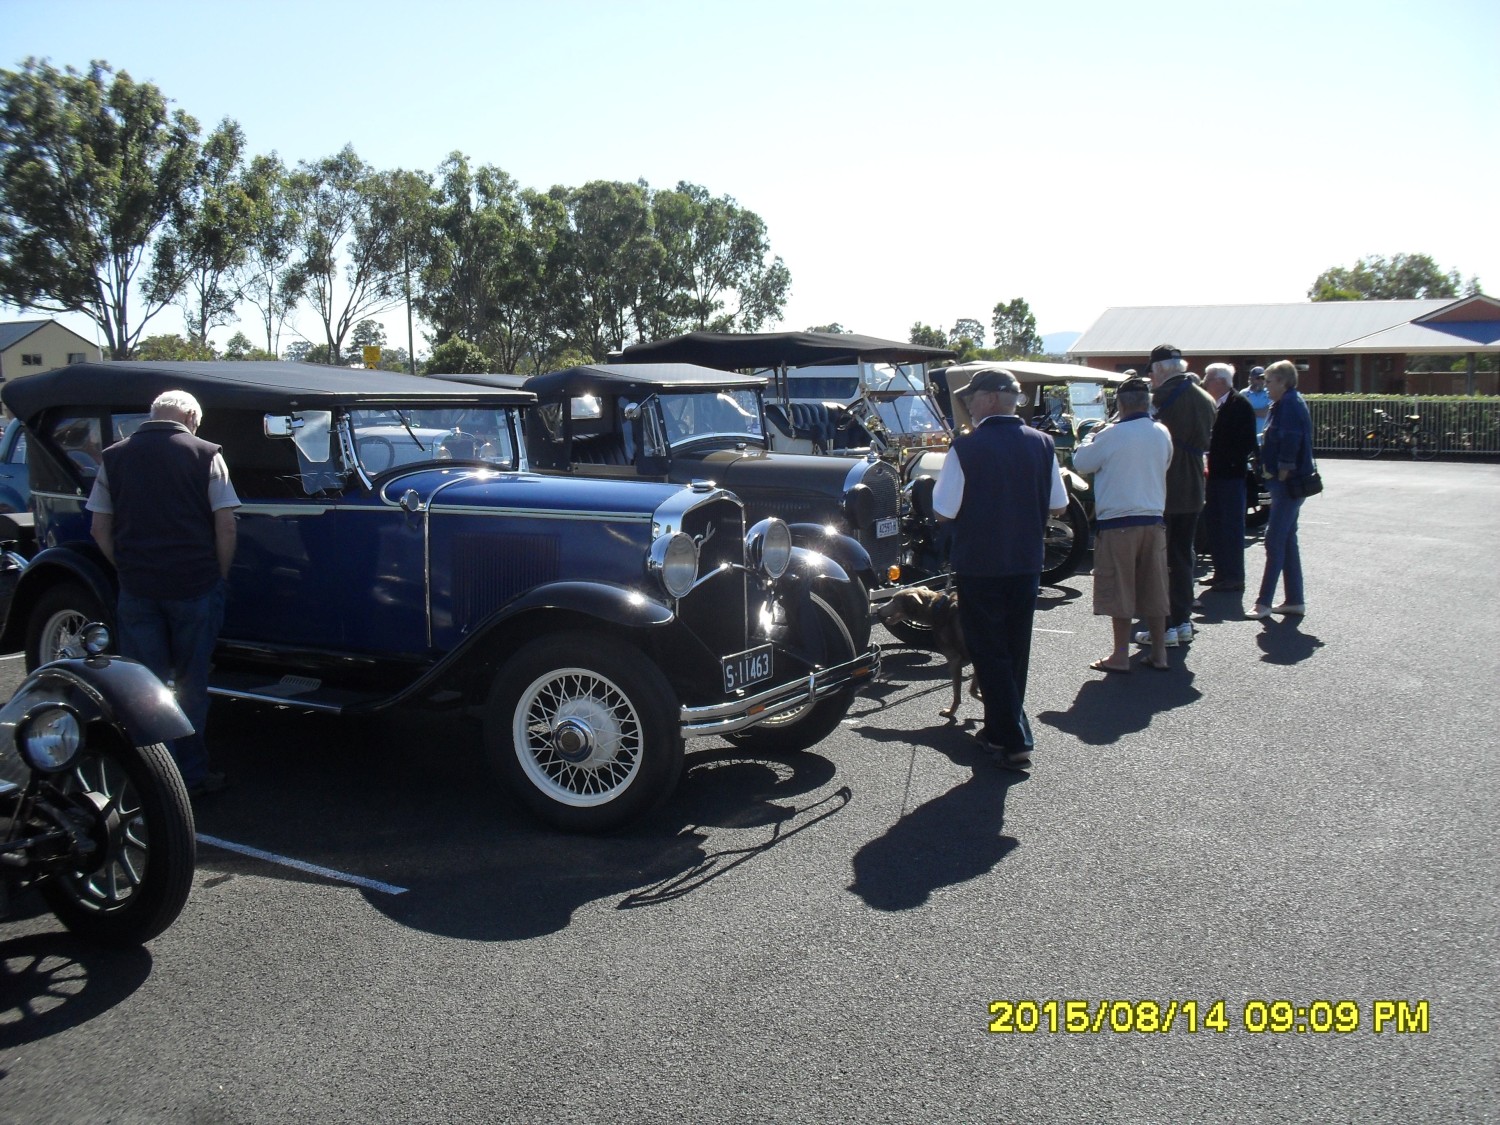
pixel 304 692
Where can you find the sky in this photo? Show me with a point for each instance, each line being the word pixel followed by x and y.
pixel 912 161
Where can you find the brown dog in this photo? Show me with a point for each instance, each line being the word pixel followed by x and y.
pixel 939 613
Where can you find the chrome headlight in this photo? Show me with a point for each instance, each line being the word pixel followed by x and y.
pixel 50 740
pixel 674 561
pixel 95 638
pixel 768 547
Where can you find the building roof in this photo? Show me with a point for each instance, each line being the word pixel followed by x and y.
pixel 1291 329
pixel 13 332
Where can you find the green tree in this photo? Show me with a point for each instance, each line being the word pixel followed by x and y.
pixel 154 349
pixel 457 356
pixel 835 328
pixel 969 329
pixel 93 168
pixel 240 347
pixel 721 253
pixel 211 236
pixel 269 279
pixel 337 199
pixel 1401 277
pixel 368 333
pixel 1015 330
pixel 927 336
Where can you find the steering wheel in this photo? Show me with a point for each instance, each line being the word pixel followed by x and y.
pixel 371 444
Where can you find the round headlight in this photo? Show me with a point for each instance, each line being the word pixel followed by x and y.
pixel 859 506
pixel 674 559
pixel 95 638
pixel 768 547
pixel 51 740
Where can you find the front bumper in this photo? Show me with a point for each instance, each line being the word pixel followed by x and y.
pixel 737 714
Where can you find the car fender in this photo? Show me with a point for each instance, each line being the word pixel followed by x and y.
pixel 111 689
pixel 47 569
pixel 849 553
pixel 1075 482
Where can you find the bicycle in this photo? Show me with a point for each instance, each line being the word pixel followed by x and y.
pixel 1406 434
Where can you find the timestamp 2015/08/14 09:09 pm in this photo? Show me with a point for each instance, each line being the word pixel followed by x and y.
pixel 1275 1017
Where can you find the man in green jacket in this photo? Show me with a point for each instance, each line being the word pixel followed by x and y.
pixel 1186 410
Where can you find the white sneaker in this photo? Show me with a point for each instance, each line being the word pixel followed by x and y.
pixel 1258 612
pixel 1291 609
pixel 1185 633
pixel 1169 637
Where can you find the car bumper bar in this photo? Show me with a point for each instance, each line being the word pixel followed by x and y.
pixel 737 714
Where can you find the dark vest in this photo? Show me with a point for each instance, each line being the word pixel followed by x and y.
pixel 1002 518
pixel 163 527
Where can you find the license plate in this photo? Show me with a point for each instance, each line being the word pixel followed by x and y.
pixel 885 528
pixel 746 668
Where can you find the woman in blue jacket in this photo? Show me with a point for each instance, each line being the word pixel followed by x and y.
pixel 1286 452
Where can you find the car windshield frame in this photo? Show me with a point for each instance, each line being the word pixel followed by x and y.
pixel 694 417
pixel 408 437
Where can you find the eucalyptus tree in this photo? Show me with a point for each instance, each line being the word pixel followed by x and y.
pixel 1015 330
pixel 604 255
pixel 213 232
pixel 94 168
pixel 270 278
pixel 721 254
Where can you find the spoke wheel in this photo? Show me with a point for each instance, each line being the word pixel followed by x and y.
pixel 131 806
pixel 1423 448
pixel 55 628
pixel 1373 446
pixel 1066 542
pixel 584 731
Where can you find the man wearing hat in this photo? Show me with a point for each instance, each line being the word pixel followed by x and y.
pixel 1187 411
pixel 998 485
pixel 1260 398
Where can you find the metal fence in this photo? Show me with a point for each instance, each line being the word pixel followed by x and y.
pixel 1457 426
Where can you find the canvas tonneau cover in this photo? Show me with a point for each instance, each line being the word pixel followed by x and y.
pixel 733 351
pixel 246 385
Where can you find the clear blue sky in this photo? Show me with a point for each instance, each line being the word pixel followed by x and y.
pixel 913 161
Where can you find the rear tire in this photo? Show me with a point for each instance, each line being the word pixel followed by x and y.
pixel 1423 447
pixel 584 730
pixel 143 826
pixel 1373 446
pixel 54 629
pixel 1066 542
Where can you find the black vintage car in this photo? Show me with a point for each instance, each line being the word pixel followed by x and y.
pixel 395 550
pixel 682 423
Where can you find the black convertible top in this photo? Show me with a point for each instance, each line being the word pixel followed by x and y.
pixel 613 378
pixel 731 351
pixel 246 385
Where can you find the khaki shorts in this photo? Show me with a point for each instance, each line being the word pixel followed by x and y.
pixel 1130 572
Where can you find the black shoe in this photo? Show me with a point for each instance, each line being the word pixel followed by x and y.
pixel 214 781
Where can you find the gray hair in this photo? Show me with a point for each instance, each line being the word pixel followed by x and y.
pixel 177 402
pixel 1132 402
pixel 1169 366
pixel 1284 372
pixel 1223 371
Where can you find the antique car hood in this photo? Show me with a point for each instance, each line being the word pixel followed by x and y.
pixel 481 488
pixel 752 470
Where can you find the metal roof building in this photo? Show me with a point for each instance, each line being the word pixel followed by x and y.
pixel 1341 345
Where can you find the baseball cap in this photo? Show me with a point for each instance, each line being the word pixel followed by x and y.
pixel 1136 384
pixel 1257 373
pixel 991 380
pixel 1165 351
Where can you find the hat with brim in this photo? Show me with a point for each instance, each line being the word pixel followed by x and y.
pixel 991 380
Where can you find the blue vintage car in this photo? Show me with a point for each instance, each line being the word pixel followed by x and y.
pixel 395 550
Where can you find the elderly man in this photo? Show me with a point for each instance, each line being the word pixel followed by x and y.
pixel 1185 409
pixel 1259 399
pixel 1129 460
pixel 997 485
pixel 164 516
pixel 1230 449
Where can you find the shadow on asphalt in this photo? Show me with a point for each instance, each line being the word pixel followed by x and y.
pixel 409 802
pixel 1110 708
pixel 53 982
pixel 1282 641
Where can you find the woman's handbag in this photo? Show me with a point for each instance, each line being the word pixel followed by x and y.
pixel 1299 488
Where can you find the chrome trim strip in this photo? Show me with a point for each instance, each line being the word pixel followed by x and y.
pixel 886 593
pixel 287 508
pixel 726 718
pixel 279 700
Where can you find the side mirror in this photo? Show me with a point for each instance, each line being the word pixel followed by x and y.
pixel 281 425
pixel 308 430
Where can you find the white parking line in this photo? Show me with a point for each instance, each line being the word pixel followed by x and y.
pixel 299 865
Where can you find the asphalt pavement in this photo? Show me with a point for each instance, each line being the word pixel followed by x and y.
pixel 1299 811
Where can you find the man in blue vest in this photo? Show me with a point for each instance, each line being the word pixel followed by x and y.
pixel 997 485
pixel 164 516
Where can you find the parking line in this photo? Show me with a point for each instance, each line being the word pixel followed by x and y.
pixel 299 865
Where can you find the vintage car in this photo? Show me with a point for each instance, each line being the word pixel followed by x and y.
pixel 15 492
pixel 93 813
pixel 395 551
pixel 679 422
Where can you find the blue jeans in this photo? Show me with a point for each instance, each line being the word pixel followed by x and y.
pixel 1224 519
pixel 996 615
pixel 1282 556
pixel 175 639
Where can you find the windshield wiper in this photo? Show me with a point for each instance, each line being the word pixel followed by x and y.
pixel 401 414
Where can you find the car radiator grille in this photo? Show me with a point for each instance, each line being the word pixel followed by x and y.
pixel 715 611
pixel 882 482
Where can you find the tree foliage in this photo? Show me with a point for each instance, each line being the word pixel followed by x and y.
pixel 1015 330
pixel 268 278
pixel 155 349
pixel 1400 277
pixel 211 233
pixel 239 347
pixel 457 356
pixel 835 329
pixel 927 336
pixel 966 328
pixel 93 168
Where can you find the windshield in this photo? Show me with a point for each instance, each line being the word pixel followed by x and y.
pixel 708 414
pixel 910 414
pixel 396 438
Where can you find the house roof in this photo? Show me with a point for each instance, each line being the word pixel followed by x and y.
pixel 13 332
pixel 1310 326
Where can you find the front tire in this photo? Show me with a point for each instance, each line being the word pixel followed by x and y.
pixel 1373 446
pixel 55 628
pixel 584 731
pixel 809 724
pixel 1067 540
pixel 140 819
pixel 1423 447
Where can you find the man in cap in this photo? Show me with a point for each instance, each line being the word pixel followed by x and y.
pixel 998 484
pixel 1185 409
pixel 1259 398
